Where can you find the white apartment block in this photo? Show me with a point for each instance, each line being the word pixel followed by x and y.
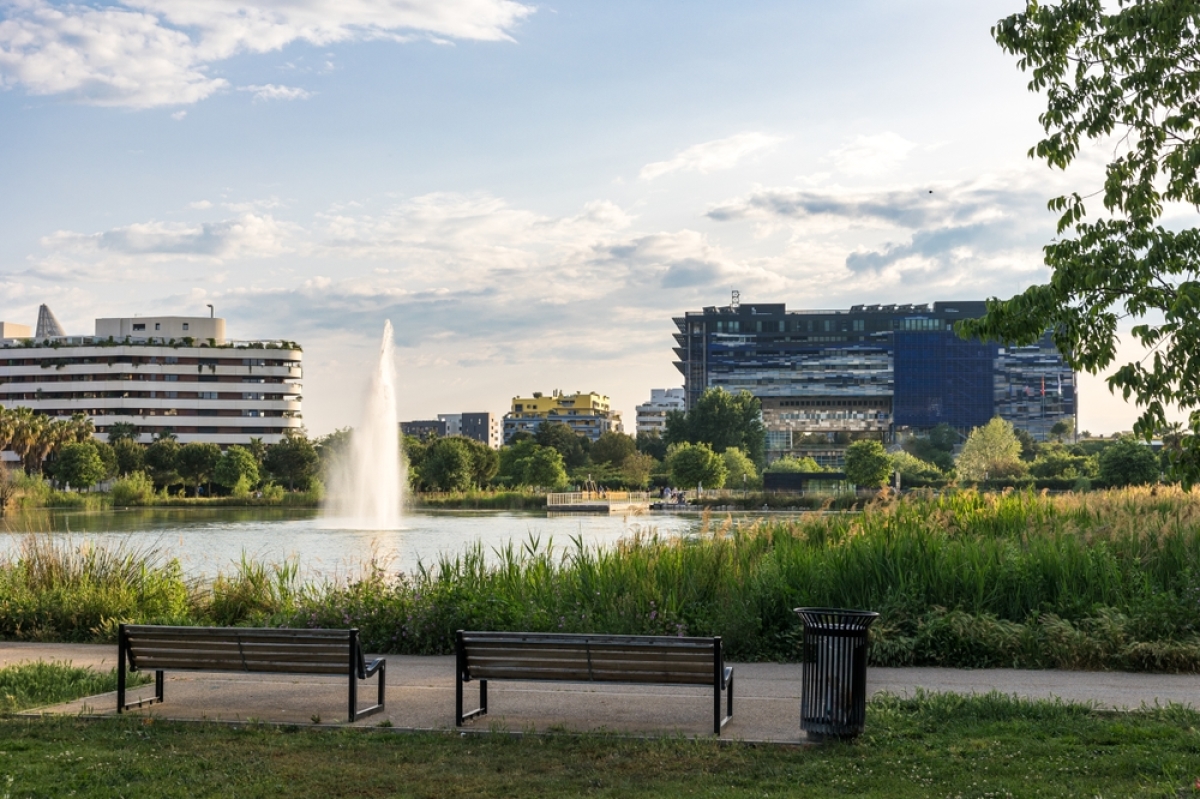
pixel 652 415
pixel 161 373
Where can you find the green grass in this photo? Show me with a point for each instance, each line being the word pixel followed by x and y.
pixel 30 685
pixel 927 746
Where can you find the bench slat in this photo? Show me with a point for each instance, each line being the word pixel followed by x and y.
pixel 612 664
pixel 582 675
pixel 140 658
pixel 195 664
pixel 593 655
pixel 206 634
pixel 553 639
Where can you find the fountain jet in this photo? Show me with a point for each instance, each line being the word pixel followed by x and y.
pixel 367 486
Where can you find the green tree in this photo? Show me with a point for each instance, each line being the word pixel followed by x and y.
pixel 236 470
pixel 122 431
pixel 572 446
pixel 332 449
pixel 79 465
pixel 162 459
pixel 513 460
pixel 293 460
pixel 196 462
pixel 131 456
pixel 937 447
pixel 652 444
pixel 1057 461
pixel 612 449
pixel 992 451
pixel 108 455
pixel 485 462
pixel 545 468
pixel 868 464
pixel 1127 462
pixel 413 451
pixel 447 465
pixel 696 465
pixel 1128 74
pixel 637 468
pixel 793 465
pixel 721 420
pixel 913 469
pixel 740 470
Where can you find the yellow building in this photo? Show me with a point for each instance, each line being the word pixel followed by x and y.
pixel 587 413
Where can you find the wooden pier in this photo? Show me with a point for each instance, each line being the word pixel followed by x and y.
pixel 598 502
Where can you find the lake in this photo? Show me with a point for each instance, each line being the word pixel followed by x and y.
pixel 211 540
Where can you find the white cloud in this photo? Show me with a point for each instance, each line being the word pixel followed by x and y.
pixel 271 91
pixel 872 155
pixel 179 115
pixel 248 236
pixel 711 156
pixel 144 53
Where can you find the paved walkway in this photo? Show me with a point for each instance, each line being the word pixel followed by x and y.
pixel 420 695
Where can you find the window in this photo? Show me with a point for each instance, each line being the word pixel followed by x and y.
pixel 207 412
pixel 172 378
pixel 207 378
pixel 138 327
pixel 209 430
pixel 171 394
pixel 208 395
pixel 171 359
pixel 185 325
pixel 158 326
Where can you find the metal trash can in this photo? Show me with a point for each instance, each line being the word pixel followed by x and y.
pixel 833 689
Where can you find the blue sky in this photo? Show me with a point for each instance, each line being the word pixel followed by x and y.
pixel 528 191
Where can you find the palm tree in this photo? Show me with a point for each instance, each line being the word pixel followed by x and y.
pixel 81 428
pixel 7 424
pixel 27 430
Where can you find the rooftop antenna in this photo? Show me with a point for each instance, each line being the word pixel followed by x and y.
pixel 211 312
pixel 736 300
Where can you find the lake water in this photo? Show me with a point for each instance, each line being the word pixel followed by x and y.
pixel 208 541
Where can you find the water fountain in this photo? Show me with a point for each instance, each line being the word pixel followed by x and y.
pixel 367 487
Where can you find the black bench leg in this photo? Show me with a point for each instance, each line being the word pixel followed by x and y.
pixel 121 669
pixel 729 696
pixel 158 685
pixel 717 709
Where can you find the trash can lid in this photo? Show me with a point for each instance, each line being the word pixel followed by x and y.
pixel 836 618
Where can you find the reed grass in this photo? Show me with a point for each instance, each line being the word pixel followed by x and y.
pixel 480 500
pixel 1103 580
pixel 37 684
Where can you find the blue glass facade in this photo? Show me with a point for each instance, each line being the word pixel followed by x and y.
pixel 942 379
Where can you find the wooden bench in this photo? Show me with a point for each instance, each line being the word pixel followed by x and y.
pixel 281 651
pixel 638 659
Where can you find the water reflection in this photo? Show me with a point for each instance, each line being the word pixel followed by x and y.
pixel 207 541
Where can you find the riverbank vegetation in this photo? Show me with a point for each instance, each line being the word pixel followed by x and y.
pixel 1103 580
pixel 719 444
pixel 927 745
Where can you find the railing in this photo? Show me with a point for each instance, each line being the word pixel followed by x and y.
pixel 595 497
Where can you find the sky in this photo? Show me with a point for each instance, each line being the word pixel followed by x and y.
pixel 528 191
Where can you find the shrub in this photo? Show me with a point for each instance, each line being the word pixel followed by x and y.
pixel 136 489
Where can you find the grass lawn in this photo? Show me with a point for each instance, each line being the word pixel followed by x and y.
pixel 940 746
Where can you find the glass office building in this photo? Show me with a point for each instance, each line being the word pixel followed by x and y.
pixel 826 378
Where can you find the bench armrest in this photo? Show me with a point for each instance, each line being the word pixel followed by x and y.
pixel 372 667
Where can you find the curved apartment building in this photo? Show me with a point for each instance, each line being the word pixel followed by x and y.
pixel 162 374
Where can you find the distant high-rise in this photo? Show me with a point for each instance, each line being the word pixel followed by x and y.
pixel 161 374
pixel 826 378
pixel 47 325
